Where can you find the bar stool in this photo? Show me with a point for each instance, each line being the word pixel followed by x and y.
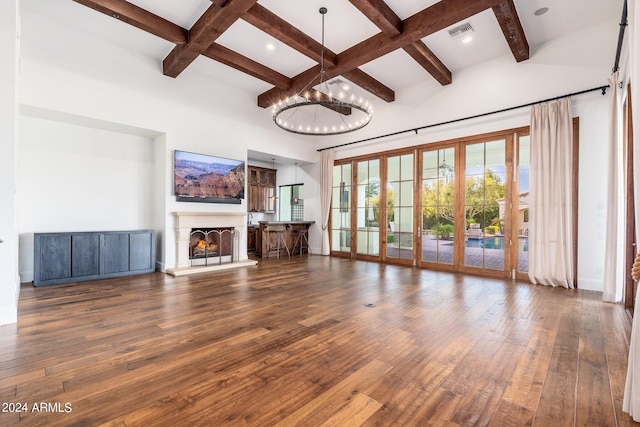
pixel 280 238
pixel 301 239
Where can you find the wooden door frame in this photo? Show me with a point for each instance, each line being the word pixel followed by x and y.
pixel 341 254
pixel 418 203
pixel 384 158
pixel 630 287
pixel 461 214
pixel 515 200
pixel 354 211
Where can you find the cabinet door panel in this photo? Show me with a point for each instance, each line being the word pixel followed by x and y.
pixel 140 251
pixel 85 255
pixel 54 255
pixel 115 253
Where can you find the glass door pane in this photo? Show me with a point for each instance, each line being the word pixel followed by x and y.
pixel 438 193
pixel 368 208
pixel 484 204
pixel 400 206
pixel 523 203
pixel 341 209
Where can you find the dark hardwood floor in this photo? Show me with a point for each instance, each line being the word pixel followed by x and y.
pixel 295 342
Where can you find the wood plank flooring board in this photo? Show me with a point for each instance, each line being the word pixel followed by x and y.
pixel 291 342
pixel 38 389
pixel 526 383
pixel 557 404
pixel 593 381
pixel 511 414
pixel 616 331
pixel 340 392
pixel 412 380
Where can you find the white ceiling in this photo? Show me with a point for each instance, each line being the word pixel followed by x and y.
pixel 345 26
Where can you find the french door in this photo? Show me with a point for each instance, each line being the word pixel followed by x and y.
pixel 438 219
pixel 456 206
pixel 367 208
pixel 399 236
pixel 474 200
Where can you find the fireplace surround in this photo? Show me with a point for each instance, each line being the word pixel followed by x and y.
pixel 185 222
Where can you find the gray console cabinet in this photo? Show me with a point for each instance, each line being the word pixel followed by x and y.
pixel 75 257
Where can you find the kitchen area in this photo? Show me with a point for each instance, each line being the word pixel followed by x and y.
pixel 276 224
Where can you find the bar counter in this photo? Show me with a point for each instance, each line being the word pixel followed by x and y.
pixel 267 238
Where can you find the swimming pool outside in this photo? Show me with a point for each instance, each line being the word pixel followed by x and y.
pixel 495 242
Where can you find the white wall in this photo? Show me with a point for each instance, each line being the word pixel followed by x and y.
pixel 592 191
pixel 76 178
pixel 9 52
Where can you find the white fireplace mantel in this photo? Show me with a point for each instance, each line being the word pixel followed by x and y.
pixel 186 221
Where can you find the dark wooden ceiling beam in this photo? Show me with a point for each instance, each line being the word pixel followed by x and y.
pixel 371 85
pixel 429 61
pixel 426 22
pixel 213 22
pixel 345 111
pixel 131 14
pixel 442 15
pixel 246 65
pixel 305 82
pixel 378 12
pixel 395 34
pixel 280 29
pixel 512 29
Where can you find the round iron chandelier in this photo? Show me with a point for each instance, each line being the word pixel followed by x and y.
pixel 317 110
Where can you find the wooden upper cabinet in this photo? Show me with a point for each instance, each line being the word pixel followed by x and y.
pixel 253 175
pixel 262 189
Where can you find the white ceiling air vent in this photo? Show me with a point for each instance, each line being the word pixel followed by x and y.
pixel 461 30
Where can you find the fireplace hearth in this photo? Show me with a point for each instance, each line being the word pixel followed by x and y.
pixel 224 250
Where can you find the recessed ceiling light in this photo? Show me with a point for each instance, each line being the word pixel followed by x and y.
pixel 271 46
pixel 541 11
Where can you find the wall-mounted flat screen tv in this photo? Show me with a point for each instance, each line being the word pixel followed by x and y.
pixel 209 179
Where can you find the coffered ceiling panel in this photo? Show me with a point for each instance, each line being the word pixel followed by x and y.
pixel 253 43
pixel 271 48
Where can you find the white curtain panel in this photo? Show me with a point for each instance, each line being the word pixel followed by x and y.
pixel 612 286
pixel 326 181
pixel 551 260
pixel 631 401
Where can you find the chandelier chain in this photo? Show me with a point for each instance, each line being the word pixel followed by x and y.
pixel 319 106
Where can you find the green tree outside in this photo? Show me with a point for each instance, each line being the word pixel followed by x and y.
pixel 482 193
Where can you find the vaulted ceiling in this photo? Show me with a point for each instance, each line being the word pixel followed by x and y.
pixel 380 46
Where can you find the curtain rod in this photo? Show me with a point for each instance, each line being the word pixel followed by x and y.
pixel 602 88
pixel 623 26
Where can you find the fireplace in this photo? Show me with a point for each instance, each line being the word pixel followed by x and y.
pixel 208 245
pixel 224 249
